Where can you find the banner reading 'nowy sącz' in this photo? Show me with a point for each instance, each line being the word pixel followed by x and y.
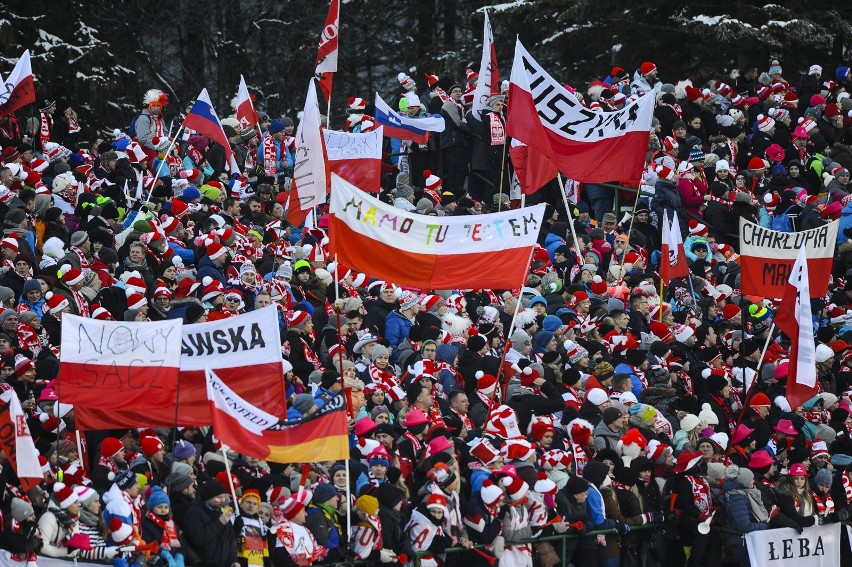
pixel 482 251
pixel 767 257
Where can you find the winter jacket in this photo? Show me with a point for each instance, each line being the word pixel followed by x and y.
pixel 810 218
pixel 723 224
pixel 666 199
pixel 606 438
pixel 214 542
pixel 206 267
pixel 845 222
pixel 690 241
pixel 377 314
pixel 397 327
pixel 53 534
pixel 527 404
pixel 625 368
pixel 740 515
pixel 455 131
pixel 146 129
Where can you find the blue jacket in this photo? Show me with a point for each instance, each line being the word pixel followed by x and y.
pixel 625 368
pixel 739 512
pixel 187 255
pixel 687 247
pixel 765 219
pixel 448 354
pixel 396 331
pixel 206 267
pixel 845 222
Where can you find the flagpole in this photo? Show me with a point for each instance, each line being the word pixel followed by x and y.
pixel 756 378
pixel 80 448
pixel 630 230
pixel 502 170
pixel 348 501
pixel 570 217
pixel 512 324
pixel 231 481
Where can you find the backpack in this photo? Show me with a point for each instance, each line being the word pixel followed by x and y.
pixel 131 131
pixel 782 223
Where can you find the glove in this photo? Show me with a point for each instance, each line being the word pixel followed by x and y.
pixel 110 552
pixel 560 527
pixel 499 546
pixel 386 555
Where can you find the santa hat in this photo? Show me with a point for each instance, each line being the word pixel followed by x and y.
pixel 71 275
pixel 544 485
pixel 136 301
pixel 215 249
pixel 517 450
pixel 356 103
pixel 101 314
pixel 697 229
pixel 765 123
pixel 56 302
pixel 528 376
pixel 135 284
pixel 212 288
pixel 437 502
pixel 119 531
pixel 366 446
pixel 485 383
pixel 432 182
pixel 656 450
pixel 64 495
pixel 162 291
pixel 490 492
pixel 10 242
pixel 431 78
pixel 516 488
pixel 471 75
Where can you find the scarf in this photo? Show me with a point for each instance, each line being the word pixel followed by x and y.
pixel 701 495
pixel 468 424
pixel 675 108
pixel 108 463
pixel 581 459
pixel 270 161
pixel 824 504
pixel 73 125
pixel 310 355
pixel 82 304
pixel 28 557
pixel 498 130
pixel 726 408
pixel 45 129
pixel 169 539
pixel 415 442
pixel 754 501
pixel 85 264
pixel 727 204
pixel 194 155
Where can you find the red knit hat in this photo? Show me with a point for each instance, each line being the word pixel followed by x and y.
pixel 178 207
pixel 64 495
pixel 647 67
pixel 485 383
pixel 215 249
pixel 432 182
pixel 72 276
pixel 291 508
pixel 110 447
pixel 693 94
pixel 150 446
pixel 135 301
pixel 539 428
pixel 759 399
pixel 730 311
pixel 697 229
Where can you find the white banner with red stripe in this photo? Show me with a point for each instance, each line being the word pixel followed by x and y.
pixel 767 257
pixel 426 252
pixel 356 157
pixel 16 441
pixel 816 546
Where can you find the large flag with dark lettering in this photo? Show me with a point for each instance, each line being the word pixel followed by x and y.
pixel 588 146
pixel 17 90
pixel 328 47
pixel 15 440
pixel 249 430
pixel 356 157
pixel 673 261
pixel 426 252
pixel 310 173
pixel 794 319
pixel 108 367
pixel 244 351
pixel 767 257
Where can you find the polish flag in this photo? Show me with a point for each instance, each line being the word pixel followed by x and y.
pixel 490 251
pixel 673 260
pixel 489 75
pixel 328 48
pixel 587 146
pixel 246 115
pixel 795 320
pixel 17 90
pixel 356 157
pixel 202 118
pixel 533 169
pixel 311 172
pixel 16 441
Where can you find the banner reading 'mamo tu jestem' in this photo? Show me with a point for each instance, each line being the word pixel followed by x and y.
pixel 767 258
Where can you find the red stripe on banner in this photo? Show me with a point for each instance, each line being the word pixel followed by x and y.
pixel 494 270
pixel 768 277
pixel 231 432
pixel 364 173
pixel 22 94
pixel 194 409
pixel 619 158
pixel 99 387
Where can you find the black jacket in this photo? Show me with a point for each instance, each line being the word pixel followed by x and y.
pixel 213 541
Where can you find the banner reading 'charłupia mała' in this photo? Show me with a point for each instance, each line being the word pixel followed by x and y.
pixel 767 258
pixel 426 252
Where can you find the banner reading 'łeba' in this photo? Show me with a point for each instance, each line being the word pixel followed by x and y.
pixel 426 252
pixel 816 546
pixel 767 257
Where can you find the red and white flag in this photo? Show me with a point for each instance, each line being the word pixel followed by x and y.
pixel 17 90
pixel 489 75
pixel 767 257
pixel 16 441
pixel 111 366
pixel 673 259
pixel 310 174
pixel 795 320
pixel 487 251
pixel 328 47
pixel 533 169
pixel 246 115
pixel 588 146
pixel 356 157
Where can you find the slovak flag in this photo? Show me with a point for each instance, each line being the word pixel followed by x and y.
pixel 795 320
pixel 406 128
pixel 246 114
pixel 673 259
pixel 17 90
pixel 202 118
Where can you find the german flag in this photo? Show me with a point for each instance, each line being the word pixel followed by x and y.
pixel 249 430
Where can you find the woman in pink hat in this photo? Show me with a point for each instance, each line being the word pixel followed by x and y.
pixel 795 499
